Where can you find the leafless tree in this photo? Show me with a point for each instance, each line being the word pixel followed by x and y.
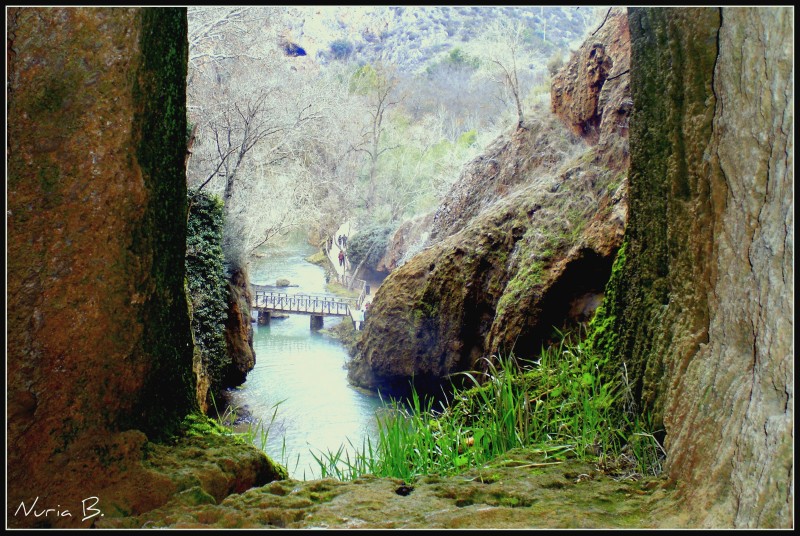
pixel 505 49
pixel 250 125
pixel 378 85
pixel 218 35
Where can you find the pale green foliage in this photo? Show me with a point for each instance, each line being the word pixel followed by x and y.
pixel 407 163
pixel 366 79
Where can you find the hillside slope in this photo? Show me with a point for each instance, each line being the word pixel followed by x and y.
pixel 523 242
pixel 409 37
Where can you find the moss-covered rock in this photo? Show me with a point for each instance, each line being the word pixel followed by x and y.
pixel 522 244
pixel 522 489
pixel 159 130
pixel 100 348
pixel 98 325
pixel 699 309
pixel 208 292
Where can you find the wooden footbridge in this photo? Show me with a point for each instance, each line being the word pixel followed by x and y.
pixel 267 301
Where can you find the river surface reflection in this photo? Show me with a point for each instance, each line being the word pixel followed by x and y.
pixel 303 372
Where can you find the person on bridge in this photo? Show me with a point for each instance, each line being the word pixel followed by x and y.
pixel 341 258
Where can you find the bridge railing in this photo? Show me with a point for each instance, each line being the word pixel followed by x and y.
pixel 353 283
pixel 347 280
pixel 303 303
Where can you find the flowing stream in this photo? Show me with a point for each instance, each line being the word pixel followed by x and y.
pixel 303 372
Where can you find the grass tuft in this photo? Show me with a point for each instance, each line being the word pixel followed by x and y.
pixel 561 405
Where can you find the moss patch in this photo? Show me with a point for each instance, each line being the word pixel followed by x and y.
pixel 208 286
pixel 518 490
pixel 671 84
pixel 160 128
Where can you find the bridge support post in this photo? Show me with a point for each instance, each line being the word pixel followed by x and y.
pixel 317 322
pixel 264 318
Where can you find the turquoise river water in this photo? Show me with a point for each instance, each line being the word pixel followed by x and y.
pixel 303 372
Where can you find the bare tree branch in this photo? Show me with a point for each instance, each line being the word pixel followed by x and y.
pixel 604 21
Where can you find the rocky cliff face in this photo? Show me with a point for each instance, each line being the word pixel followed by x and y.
pixel 407 240
pixel 239 330
pixel 701 311
pixel 591 93
pixel 99 345
pixel 523 242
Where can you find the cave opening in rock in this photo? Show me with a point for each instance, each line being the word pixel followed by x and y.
pixel 571 301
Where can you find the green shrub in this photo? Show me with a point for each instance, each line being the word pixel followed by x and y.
pixel 371 243
pixel 207 284
pixel 460 58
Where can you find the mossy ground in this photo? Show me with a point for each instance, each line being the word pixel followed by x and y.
pixel 340 290
pixel 521 489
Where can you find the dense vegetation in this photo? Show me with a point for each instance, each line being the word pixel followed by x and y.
pixel 562 405
pixel 368 245
pixel 207 285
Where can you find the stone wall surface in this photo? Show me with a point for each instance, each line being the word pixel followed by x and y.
pixel 704 310
pixel 739 385
pixel 99 355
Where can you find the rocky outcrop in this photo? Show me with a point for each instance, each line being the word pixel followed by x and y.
pixel 407 240
pixel 520 490
pixel 592 94
pixel 510 161
pixel 239 330
pixel 523 242
pixel 99 351
pixel 700 309
pixel 579 93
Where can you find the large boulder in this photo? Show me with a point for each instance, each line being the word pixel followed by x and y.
pixel 522 243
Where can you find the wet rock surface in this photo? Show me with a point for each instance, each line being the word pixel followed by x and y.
pixel 239 330
pixel 99 342
pixel 703 312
